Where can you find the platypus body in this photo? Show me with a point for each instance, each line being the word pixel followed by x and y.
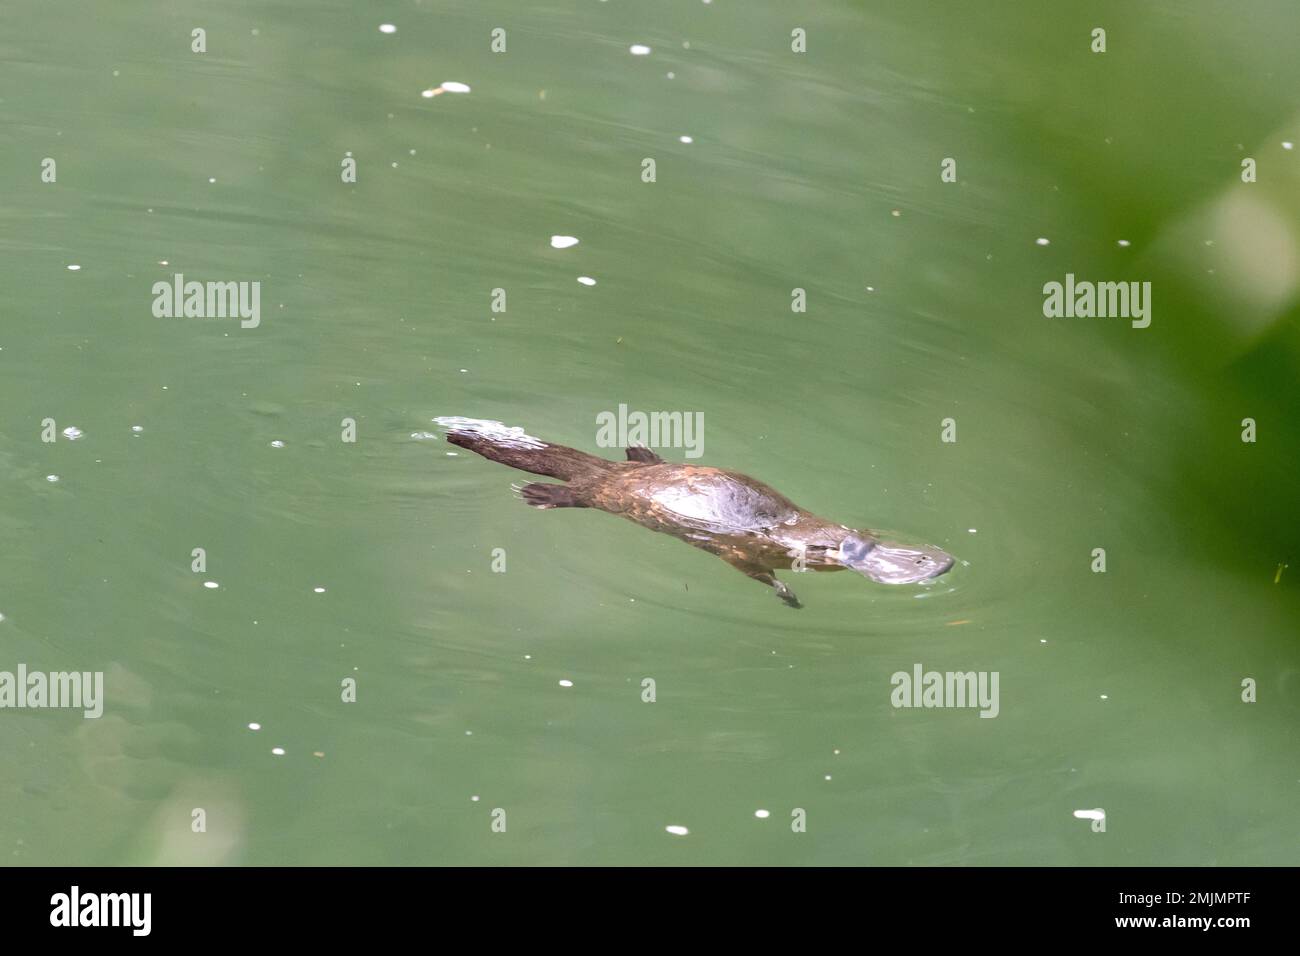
pixel 748 524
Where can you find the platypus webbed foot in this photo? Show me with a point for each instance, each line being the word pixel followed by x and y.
pixel 541 495
pixel 785 594
pixel 783 590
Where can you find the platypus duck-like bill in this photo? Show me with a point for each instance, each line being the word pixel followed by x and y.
pixel 749 525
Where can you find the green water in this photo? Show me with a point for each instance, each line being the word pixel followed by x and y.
pixel 819 171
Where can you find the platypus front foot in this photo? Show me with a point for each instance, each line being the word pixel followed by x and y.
pixel 763 576
pixel 785 594
pixel 783 590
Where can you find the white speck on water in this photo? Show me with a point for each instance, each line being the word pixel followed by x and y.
pixel 254 726
pixel 762 814
pixel 469 733
pixel 387 28
pixel 1042 241
pixel 448 86
pixel 74 268
pixel 1042 640
pixel 586 280
pixel 827 777
pixel 686 139
pixel 277 444
pixel 2 617
pixel 278 751
pixel 639 49
pixel 475 798
pixel 671 75
pixel 1288 145
pixel 137 428
pixel 1105 697
pixel 1090 814
pixel 211 584
pixel 973 530
pixel 51 478
pixel 563 242
pixel 1123 243
pixel 319 590
pixel 430 94
pixel 212 179
pixel 72 433
pixel 566 683
pixel 424 436
pixel 677 830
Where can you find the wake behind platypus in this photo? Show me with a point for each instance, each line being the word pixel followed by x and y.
pixel 749 525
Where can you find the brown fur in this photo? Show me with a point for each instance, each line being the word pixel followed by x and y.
pixel 748 524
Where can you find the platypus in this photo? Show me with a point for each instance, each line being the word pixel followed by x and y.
pixel 751 526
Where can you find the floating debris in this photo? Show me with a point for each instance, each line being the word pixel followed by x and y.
pixel 564 242
pixel 639 49
pixel 450 86
pixel 676 830
pixel 72 433
pixel 586 280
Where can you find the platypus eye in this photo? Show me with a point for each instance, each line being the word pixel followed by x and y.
pixel 854 548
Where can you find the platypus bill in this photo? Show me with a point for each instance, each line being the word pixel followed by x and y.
pixel 752 527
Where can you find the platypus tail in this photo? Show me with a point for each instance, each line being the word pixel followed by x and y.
pixel 513 447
